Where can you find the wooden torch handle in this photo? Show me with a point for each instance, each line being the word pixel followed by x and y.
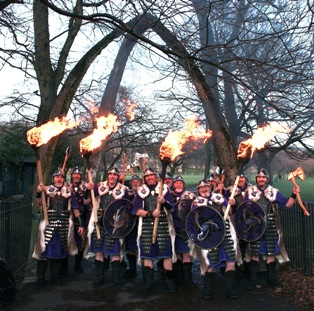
pixel 95 205
pixel 156 221
pixel 235 186
pixel 43 195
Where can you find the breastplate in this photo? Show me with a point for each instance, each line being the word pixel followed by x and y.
pixel 263 203
pixel 58 203
pixel 150 202
pixel 105 201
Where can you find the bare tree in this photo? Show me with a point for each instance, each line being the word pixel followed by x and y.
pixel 246 62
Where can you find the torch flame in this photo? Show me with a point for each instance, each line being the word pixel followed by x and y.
pixel 105 126
pixel 129 110
pixel 260 138
pixel 38 136
pixel 175 140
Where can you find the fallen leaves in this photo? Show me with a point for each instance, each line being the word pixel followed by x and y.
pixel 297 288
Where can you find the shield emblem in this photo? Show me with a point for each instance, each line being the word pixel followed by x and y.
pixel 205 227
pixel 250 221
pixel 118 220
pixel 181 211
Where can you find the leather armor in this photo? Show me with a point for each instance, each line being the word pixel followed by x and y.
pixel 58 213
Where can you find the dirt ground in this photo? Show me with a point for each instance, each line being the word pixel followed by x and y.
pixel 77 294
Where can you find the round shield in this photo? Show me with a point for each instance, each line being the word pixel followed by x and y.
pixel 205 227
pixel 181 211
pixel 250 221
pixel 118 220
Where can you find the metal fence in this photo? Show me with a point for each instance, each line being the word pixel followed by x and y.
pixel 15 233
pixel 298 235
pixel 16 229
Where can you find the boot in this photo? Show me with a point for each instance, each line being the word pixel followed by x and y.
pixel 148 275
pixel 131 272
pixel 171 287
pixel 231 288
pixel 160 268
pixel 78 262
pixel 187 275
pixel 271 274
pixel 254 266
pixel 117 273
pixel 124 267
pixel 65 265
pixel 57 266
pixel 178 272
pixel 41 272
pixel 100 274
pixel 208 280
pixel 106 263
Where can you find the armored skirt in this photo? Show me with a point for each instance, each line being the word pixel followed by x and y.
pixel 105 243
pixel 56 239
pixel 163 248
pixel 182 245
pixel 224 252
pixel 271 242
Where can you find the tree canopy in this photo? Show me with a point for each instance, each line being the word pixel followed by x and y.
pixel 237 64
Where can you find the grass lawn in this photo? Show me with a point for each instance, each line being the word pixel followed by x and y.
pixel 307 187
pixel 284 186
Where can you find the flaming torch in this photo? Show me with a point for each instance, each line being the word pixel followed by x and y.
pixel 172 147
pixel 38 136
pixel 105 126
pixel 257 142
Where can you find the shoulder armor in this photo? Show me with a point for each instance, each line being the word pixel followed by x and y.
pixel 270 193
pixel 188 195
pixel 254 193
pixel 199 201
pixel 103 188
pixel 217 198
pixel 143 191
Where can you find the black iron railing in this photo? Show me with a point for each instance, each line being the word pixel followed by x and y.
pixel 15 233
pixel 298 231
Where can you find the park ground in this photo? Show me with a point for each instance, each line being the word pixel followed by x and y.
pixel 296 293
pixel 77 294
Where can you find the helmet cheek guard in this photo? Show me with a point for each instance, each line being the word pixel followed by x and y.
pixel 210 177
pixel 135 177
pixel 179 178
pixel 58 173
pixel 202 183
pixel 262 172
pixel 114 170
pixel 76 170
pixel 149 171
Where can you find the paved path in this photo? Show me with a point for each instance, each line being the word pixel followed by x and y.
pixel 77 294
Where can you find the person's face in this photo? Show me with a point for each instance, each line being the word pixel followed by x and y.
pixel 76 177
pixel 217 179
pixel 112 179
pixel 135 184
pixel 58 180
pixel 150 179
pixel 178 186
pixel 261 181
pixel 204 191
pixel 242 182
pixel 212 183
pixel 168 182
